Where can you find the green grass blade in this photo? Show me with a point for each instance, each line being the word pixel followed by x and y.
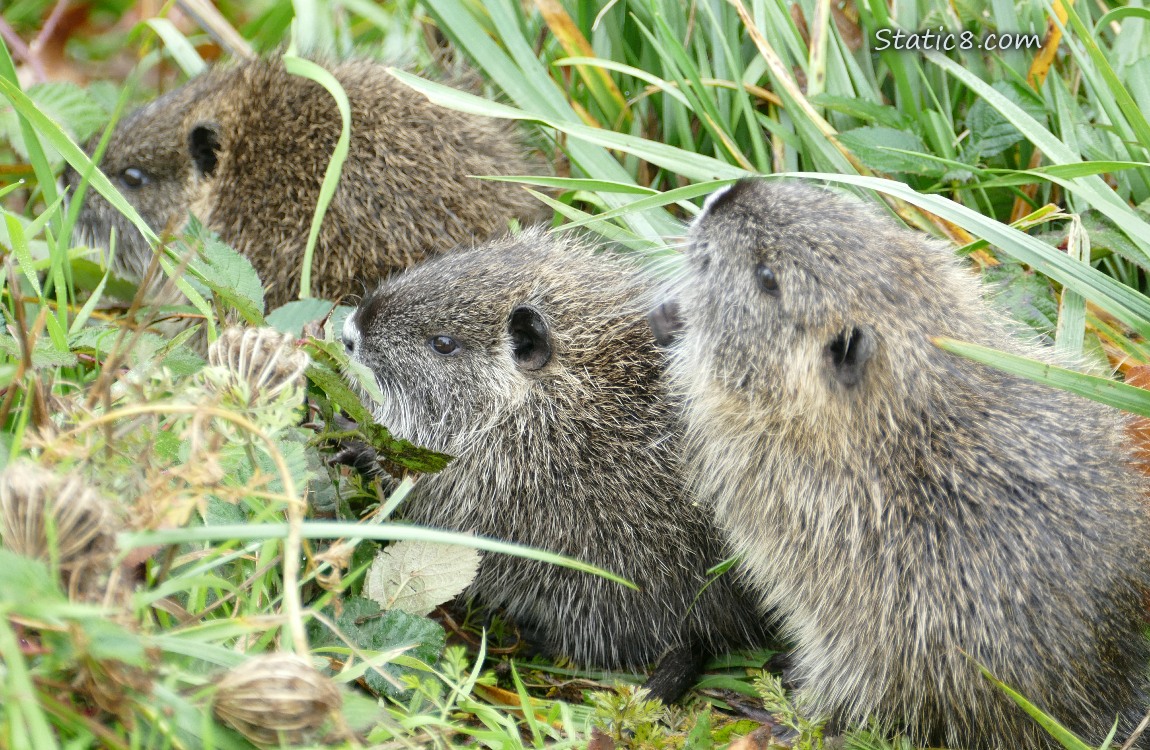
pixel 690 165
pixel 1128 305
pixel 1128 398
pixel 307 69
pixel 1065 737
pixel 178 46
pixel 1100 195
pixel 381 532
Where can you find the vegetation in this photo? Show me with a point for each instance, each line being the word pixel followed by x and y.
pixel 203 502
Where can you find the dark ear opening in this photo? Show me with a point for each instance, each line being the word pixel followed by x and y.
pixel 848 354
pixel 204 146
pixel 530 339
pixel 666 323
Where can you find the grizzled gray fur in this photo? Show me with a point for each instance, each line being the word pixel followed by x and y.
pixel 244 147
pixel 901 507
pixel 530 359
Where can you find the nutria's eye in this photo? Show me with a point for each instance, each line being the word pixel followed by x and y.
pixel 444 345
pixel 768 282
pixel 133 178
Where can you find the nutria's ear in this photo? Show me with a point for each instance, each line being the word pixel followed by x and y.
pixel 849 352
pixel 530 338
pixel 204 147
pixel 666 323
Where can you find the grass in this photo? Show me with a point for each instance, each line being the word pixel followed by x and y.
pixel 1036 164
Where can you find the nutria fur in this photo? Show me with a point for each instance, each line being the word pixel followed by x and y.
pixel 899 506
pixel 244 147
pixel 550 391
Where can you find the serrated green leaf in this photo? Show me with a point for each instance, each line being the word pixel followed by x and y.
pixel 64 102
pixel 291 318
pixel 44 353
pixel 416 577
pixel 990 132
pixel 888 150
pixel 228 274
pixel 373 629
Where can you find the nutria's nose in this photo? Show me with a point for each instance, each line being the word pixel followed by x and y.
pixel 350 335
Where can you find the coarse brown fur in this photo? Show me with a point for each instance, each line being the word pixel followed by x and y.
pixel 556 408
pixel 901 507
pixel 244 147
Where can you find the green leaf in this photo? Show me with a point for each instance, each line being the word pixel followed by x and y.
pixel 1103 390
pixel 990 132
pixel 372 629
pixel 700 735
pixel 888 150
pixel 228 274
pixel 44 353
pixel 291 318
pixel 65 103
pixel 26 581
pixel 401 452
pixel 1025 295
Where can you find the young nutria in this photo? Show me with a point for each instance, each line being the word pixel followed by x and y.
pixel 244 148
pixel 904 510
pixel 531 361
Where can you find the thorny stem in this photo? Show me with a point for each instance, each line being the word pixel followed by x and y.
pixel 293 547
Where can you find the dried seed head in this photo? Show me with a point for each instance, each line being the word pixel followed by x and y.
pixel 264 359
pixel 276 697
pixel 34 500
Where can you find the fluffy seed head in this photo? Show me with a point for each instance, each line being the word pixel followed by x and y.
pixel 274 698
pixel 261 361
pixel 36 503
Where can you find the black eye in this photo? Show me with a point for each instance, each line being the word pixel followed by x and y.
pixel 768 282
pixel 133 178
pixel 444 345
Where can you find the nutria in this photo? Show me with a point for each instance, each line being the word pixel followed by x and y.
pixel 530 360
pixel 905 511
pixel 244 147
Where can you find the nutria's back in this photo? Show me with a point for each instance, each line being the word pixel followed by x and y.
pixel 897 504
pixel 245 147
pixel 530 359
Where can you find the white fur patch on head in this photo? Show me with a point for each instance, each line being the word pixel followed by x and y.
pixel 711 201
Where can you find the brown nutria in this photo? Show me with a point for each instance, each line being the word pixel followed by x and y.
pixel 903 510
pixel 530 360
pixel 244 147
